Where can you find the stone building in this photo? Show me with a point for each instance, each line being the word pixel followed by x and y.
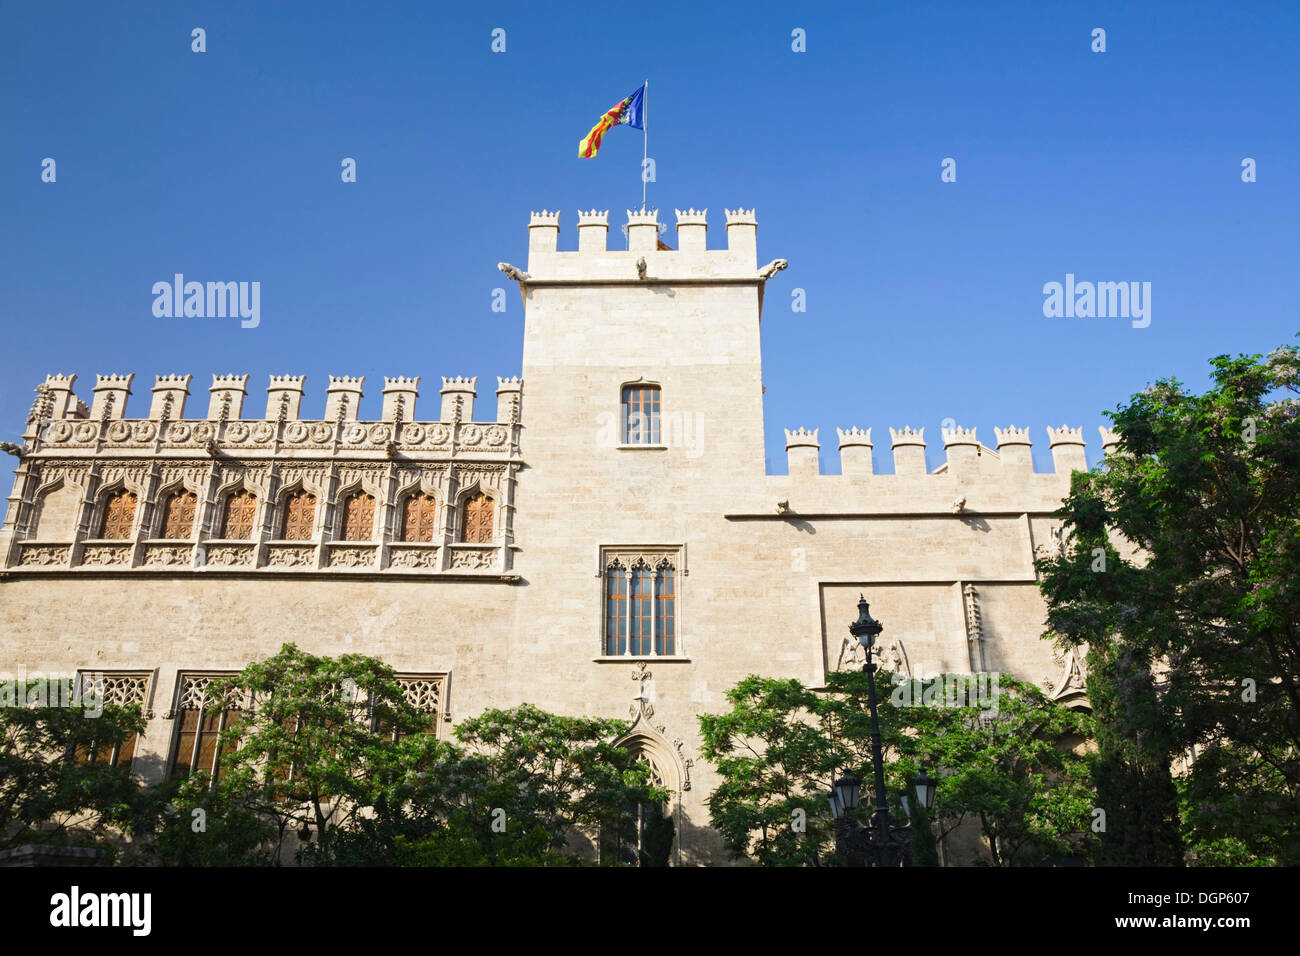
pixel 607 543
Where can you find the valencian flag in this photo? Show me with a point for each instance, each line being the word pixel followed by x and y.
pixel 630 111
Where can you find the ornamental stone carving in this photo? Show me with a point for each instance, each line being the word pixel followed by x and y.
pixel 119 431
pixel 496 435
pixel 296 433
pixel 167 555
pixel 145 431
pixel 104 555
pixel 422 558
pixel 290 557
pixel 60 431
pixel 231 555
pixel 44 555
pixel 359 557
pixel 471 434
pixel 87 431
pixel 473 560
pixel 263 432
pixel 179 432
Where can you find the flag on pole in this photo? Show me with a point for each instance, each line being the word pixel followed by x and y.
pixel 630 111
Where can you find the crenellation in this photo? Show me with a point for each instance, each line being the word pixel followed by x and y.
pixel 458 399
pixel 343 398
pixel 169 395
pixel 593 230
pixel 908 446
pixel 1015 449
pixel 58 395
pixel 962 449
pixel 1067 447
pixel 692 229
pixel 543 232
pixel 284 397
pixel 742 234
pixel 855 451
pixel 400 394
pixel 642 230
pixel 509 395
pixel 802 452
pixel 111 393
pixel 226 397
pixel 1109 440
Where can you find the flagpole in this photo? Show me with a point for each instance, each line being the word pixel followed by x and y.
pixel 645 136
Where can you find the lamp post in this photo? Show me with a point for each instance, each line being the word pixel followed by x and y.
pixel 882 843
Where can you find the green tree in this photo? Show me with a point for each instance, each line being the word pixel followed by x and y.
pixel 329 748
pixel 52 789
pixel 781 745
pixel 1181 573
pixel 319 744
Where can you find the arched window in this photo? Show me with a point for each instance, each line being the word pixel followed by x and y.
pixel 178 515
pixel 299 516
pixel 419 518
pixel 478 514
pixel 640 414
pixel 358 516
pixel 119 516
pixel 238 514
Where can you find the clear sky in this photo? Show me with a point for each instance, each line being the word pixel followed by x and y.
pixel 924 298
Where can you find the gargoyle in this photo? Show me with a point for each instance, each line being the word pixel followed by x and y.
pixel 512 273
pixel 12 449
pixel 772 268
pixel 640 268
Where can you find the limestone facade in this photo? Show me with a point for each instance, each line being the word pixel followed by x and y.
pixel 494 561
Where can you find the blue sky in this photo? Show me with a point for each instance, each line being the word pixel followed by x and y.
pixel 924 298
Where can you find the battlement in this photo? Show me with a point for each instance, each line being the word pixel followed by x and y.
pixel 965 456
pixel 56 402
pixel 593 258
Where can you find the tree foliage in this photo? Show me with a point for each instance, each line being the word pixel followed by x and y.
pixel 1191 614
pixel 49 791
pixel 781 745
pixel 329 748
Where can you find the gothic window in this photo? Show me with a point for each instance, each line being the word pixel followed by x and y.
pixel 358 516
pixel 237 519
pixel 478 514
pixel 640 606
pixel 640 414
pixel 178 515
pixel 119 516
pixel 122 690
pixel 200 720
pixel 424 693
pixel 419 518
pixel 299 515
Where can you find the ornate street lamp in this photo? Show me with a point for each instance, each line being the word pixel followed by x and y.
pixel 882 843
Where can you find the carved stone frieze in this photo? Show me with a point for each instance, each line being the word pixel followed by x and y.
pixel 168 555
pixel 414 557
pixel 44 555
pixel 352 556
pixel 238 555
pixel 290 556
pixel 106 555
pixel 473 560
